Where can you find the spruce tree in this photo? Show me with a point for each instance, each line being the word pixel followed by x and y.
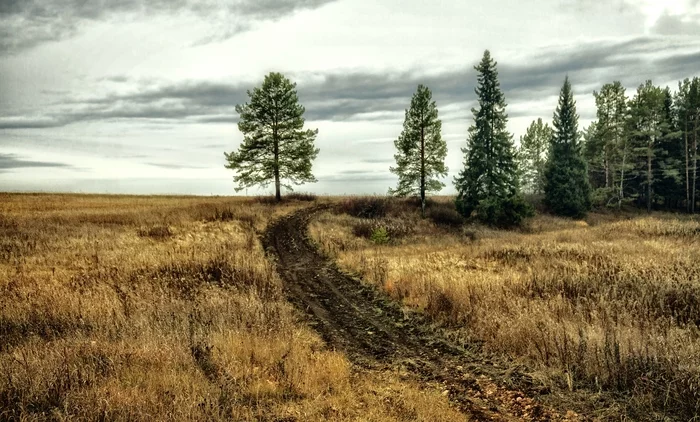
pixel 567 189
pixel 488 183
pixel 275 146
pixel 532 155
pixel 421 151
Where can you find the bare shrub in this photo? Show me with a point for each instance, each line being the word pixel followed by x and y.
pixel 445 215
pixel 370 207
pixel 301 196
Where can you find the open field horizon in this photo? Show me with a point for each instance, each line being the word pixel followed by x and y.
pixel 131 307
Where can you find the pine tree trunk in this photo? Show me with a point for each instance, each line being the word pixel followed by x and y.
pixel 622 180
pixel 695 164
pixel 278 195
pixel 687 166
pixel 649 176
pixel 422 171
pixel 607 170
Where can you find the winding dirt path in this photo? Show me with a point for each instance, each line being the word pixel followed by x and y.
pixel 374 332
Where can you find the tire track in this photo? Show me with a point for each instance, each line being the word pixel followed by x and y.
pixel 375 333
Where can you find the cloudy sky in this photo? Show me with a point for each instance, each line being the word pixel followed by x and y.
pixel 138 96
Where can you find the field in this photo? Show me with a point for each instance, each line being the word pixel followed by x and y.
pixel 606 309
pixel 166 308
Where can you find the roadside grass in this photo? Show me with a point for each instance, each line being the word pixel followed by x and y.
pixel 607 308
pixel 155 308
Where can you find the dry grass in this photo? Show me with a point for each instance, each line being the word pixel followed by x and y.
pixel 165 308
pixel 607 305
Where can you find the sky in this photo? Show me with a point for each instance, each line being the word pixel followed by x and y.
pixel 139 96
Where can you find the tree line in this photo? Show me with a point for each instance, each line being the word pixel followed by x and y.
pixel 640 151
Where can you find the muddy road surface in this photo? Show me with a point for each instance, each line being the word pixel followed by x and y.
pixel 376 333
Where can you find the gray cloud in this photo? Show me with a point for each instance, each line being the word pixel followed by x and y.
pixel 677 25
pixel 377 161
pixel 28 23
pixel 174 166
pixel 359 176
pixel 12 161
pixel 384 96
pixel 216 146
pixel 31 122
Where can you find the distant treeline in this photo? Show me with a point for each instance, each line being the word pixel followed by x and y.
pixel 641 150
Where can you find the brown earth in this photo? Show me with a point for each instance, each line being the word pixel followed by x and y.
pixel 376 333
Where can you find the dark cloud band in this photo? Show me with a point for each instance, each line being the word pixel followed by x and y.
pixel 28 23
pixel 384 96
pixel 12 162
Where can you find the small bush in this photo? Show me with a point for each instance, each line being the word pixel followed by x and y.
pixel 292 196
pixel 445 215
pixel 394 228
pixel 504 213
pixel 225 214
pixel 301 196
pixel 266 200
pixel 380 236
pixel 365 207
pixel 156 232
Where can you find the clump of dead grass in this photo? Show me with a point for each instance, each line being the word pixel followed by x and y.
pixel 605 307
pixel 100 322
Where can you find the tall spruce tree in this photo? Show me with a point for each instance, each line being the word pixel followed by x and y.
pixel 488 183
pixel 421 151
pixel 275 146
pixel 532 155
pixel 567 189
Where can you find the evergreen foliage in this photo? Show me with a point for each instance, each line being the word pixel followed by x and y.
pixel 608 150
pixel 421 151
pixel 648 124
pixel 275 146
pixel 567 189
pixel 645 152
pixel 488 183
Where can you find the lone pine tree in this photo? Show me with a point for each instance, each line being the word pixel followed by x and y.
pixel 275 145
pixel 421 151
pixel 567 189
pixel 488 183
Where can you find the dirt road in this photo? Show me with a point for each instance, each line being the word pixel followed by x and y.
pixel 374 332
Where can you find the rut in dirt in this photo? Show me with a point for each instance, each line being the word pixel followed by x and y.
pixel 375 332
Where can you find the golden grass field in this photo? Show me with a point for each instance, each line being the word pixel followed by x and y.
pixel 166 308
pixel 606 308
